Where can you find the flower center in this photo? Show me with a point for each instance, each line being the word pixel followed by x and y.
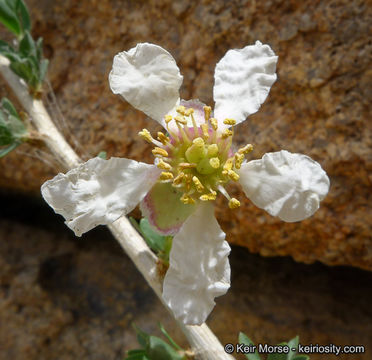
pixel 197 160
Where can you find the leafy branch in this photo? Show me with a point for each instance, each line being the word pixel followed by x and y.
pixel 26 56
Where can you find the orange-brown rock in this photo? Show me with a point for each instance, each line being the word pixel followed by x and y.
pixel 318 106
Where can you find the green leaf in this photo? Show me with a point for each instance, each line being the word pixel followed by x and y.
pixel 17 128
pixel 102 155
pixel 154 240
pixel 23 16
pixel 9 17
pixel 142 337
pixel 301 357
pixel 138 357
pixel 7 105
pixel 6 137
pixel 8 149
pixel 27 46
pixel 12 129
pixel 22 68
pixel 43 67
pixel 165 333
pixel 293 344
pixel 160 350
pixel 136 352
pixel 244 339
pixel 5 47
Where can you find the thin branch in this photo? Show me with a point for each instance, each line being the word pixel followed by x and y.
pixel 204 343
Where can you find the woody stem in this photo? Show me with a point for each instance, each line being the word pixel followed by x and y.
pixel 204 343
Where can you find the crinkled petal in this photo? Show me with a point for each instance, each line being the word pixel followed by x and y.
pixel 148 78
pixel 99 191
pixel 284 184
pixel 164 209
pixel 243 79
pixel 199 268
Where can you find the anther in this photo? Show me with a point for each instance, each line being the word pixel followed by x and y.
pixel 178 179
pixel 189 111
pixel 208 197
pixel 186 166
pixel 214 123
pixel 199 186
pixel 246 149
pixel 233 175
pixel 181 110
pixel 162 138
pixel 214 162
pixel 229 122
pixel 145 134
pixel 180 119
pixel 166 176
pixel 204 128
pixel 168 118
pixel 238 160
pixel 157 151
pixel 186 199
pixel 207 112
pixel 226 133
pixel 228 165
pixel 163 165
pixel 234 203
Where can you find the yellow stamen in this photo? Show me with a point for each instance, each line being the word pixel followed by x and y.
pixel 229 122
pixel 207 112
pixel 199 186
pixel 163 165
pixel 157 151
pixel 214 162
pixel 238 160
pixel 189 111
pixel 145 134
pixel 166 176
pixel 178 179
pixel 168 118
pixel 233 175
pixel 186 199
pixel 181 110
pixel 212 150
pixel 180 119
pixel 246 149
pixel 204 128
pixel 214 123
pixel 207 197
pixel 234 203
pixel 228 165
pixel 226 133
pixel 186 166
pixel 162 138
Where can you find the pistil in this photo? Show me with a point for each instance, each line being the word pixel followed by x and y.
pixel 197 160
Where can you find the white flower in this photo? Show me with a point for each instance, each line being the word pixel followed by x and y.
pixel 192 164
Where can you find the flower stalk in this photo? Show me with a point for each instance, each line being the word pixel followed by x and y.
pixel 204 343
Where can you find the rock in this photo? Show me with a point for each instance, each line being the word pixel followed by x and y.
pixel 76 298
pixel 319 105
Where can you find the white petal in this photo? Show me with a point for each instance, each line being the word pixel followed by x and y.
pixel 243 79
pixel 99 191
pixel 148 78
pixel 199 268
pixel 284 184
